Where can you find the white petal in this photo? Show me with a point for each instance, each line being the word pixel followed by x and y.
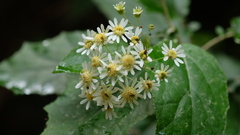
pixel 179 60
pixel 103 75
pixel 80 50
pixel 176 62
pixel 132 71
pixel 83 101
pixel 165 58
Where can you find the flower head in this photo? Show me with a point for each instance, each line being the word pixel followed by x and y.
pixel 120 7
pixel 97 58
pixel 134 37
pixel 100 38
pixel 173 53
pixel 142 53
pixel 118 30
pixel 129 61
pixel 87 44
pixel 146 85
pixel 137 11
pixel 112 70
pixel 163 73
pixel 109 113
pixel 129 93
pixel 87 77
pixel 88 95
pixel 105 96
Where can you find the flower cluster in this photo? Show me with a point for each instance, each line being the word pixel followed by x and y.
pixel 116 72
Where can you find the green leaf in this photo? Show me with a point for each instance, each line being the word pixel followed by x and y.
pixel 68 117
pixel 195 100
pixel 233 118
pixel 29 70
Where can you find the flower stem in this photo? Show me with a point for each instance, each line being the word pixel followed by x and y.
pixel 216 40
pixel 165 10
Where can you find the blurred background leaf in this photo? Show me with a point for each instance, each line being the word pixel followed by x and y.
pixel 29 71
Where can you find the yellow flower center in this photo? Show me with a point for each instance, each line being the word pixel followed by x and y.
pixel 129 94
pixel 172 54
pixel 112 69
pixel 88 44
pixel 118 30
pixel 87 77
pixel 162 75
pixel 89 96
pixel 106 95
pixel 96 61
pixel 100 38
pixel 147 84
pixel 143 54
pixel 135 39
pixel 128 61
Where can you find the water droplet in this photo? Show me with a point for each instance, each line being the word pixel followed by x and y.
pixel 95 130
pixel 45 43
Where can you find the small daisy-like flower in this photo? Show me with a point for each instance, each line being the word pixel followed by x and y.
pixel 120 7
pixel 112 70
pixel 87 77
pixel 129 61
pixel 163 73
pixel 109 113
pixel 88 42
pixel 173 53
pixel 88 95
pixel 137 11
pixel 100 38
pixel 142 53
pixel 97 58
pixel 129 93
pixel 118 30
pixel 105 96
pixel 146 85
pixel 134 37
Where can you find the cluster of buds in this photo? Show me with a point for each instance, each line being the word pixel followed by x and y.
pixel 117 57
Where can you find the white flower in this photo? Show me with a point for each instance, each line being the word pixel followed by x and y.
pixel 88 42
pixel 100 38
pixel 129 93
pixel 120 7
pixel 105 97
pixel 109 113
pixel 142 53
pixel 129 61
pixel 87 77
pixel 173 53
pixel 88 95
pixel 146 85
pixel 118 30
pixel 97 58
pixel 163 73
pixel 134 37
pixel 137 11
pixel 112 70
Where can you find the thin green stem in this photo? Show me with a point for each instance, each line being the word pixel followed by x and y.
pixel 108 50
pixel 165 10
pixel 216 40
pixel 158 59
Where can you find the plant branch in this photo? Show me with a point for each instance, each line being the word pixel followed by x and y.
pixel 216 40
pixel 165 10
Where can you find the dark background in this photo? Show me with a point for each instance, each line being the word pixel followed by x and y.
pixel 35 20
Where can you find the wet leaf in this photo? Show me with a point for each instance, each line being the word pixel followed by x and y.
pixel 68 117
pixel 29 71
